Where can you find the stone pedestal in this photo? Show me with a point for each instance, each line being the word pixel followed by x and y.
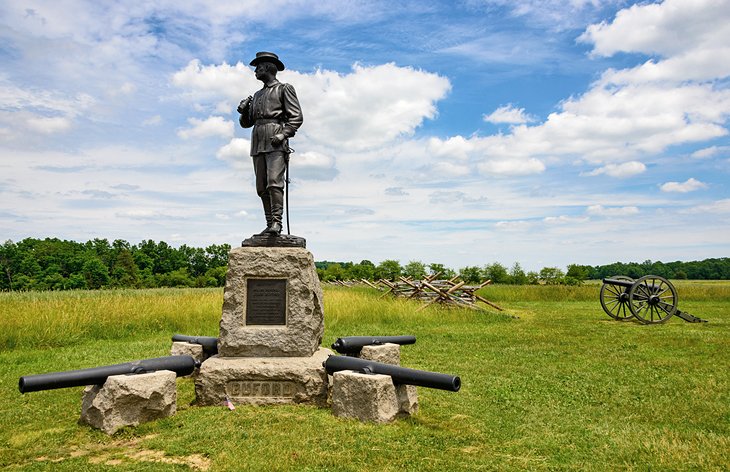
pixel 128 400
pixel 272 304
pixel 270 331
pixel 263 380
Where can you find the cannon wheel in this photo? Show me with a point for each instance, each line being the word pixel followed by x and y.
pixel 652 299
pixel 615 300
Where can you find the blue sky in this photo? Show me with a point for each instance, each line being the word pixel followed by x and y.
pixel 464 133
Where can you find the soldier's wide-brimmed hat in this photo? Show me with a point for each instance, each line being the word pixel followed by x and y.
pixel 264 56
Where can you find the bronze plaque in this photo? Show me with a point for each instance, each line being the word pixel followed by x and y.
pixel 266 302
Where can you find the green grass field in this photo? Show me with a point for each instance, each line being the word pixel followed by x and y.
pixel 561 387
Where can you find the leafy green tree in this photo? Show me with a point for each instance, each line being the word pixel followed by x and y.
pixel 389 269
pixel 217 274
pixel 552 276
pixel 95 272
pixel 218 255
pixel 175 278
pixel 445 272
pixel 8 264
pixel 125 269
pixel 333 272
pixel 497 273
pixel 471 274
pixel 76 282
pixel 197 261
pixel 364 270
pixel 517 275
pixel 578 272
pixel 415 270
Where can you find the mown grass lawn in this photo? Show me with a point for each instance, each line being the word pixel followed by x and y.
pixel 561 387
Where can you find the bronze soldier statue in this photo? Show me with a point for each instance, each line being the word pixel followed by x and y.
pixel 275 114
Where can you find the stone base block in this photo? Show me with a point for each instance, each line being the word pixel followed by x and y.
pixel 263 380
pixel 407 399
pixel 188 349
pixel 386 353
pixel 366 397
pixel 129 400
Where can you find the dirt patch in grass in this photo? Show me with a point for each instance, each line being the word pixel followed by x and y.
pixel 129 451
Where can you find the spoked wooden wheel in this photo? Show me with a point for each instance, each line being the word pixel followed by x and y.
pixel 652 299
pixel 615 299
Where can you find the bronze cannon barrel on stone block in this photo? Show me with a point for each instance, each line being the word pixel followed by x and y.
pixel 400 375
pixel 353 344
pixel 209 343
pixel 181 365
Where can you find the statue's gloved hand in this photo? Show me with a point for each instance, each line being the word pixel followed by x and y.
pixel 277 139
pixel 244 103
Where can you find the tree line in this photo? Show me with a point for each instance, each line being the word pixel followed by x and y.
pixel 708 269
pixel 54 264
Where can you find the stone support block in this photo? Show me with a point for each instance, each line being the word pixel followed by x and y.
pixel 129 400
pixel 272 304
pixel 407 399
pixel 386 353
pixel 188 349
pixel 263 380
pixel 366 397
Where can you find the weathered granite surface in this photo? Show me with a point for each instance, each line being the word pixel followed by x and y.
pixel 180 348
pixel 263 380
pixel 301 333
pixel 366 397
pixel 407 397
pixel 387 353
pixel 129 400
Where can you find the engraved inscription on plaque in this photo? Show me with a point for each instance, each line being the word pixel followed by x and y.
pixel 260 388
pixel 266 302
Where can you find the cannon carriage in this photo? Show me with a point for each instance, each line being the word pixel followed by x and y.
pixel 650 300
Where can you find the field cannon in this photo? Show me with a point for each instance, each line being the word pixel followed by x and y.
pixel 400 375
pixel 353 344
pixel 209 343
pixel 181 365
pixel 650 300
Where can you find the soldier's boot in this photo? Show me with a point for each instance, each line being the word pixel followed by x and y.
pixel 266 200
pixel 277 210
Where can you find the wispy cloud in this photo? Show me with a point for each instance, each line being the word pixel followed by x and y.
pixel 690 185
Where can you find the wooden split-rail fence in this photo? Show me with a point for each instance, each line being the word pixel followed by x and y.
pixel 431 290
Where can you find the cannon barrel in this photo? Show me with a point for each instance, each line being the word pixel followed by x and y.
pixel 353 344
pixel 209 343
pixel 400 375
pixel 619 282
pixel 181 365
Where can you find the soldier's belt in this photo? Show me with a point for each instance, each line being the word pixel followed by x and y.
pixel 264 121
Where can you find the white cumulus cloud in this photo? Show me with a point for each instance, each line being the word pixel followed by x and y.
pixel 312 166
pixel 49 125
pixel 621 171
pixel 600 210
pixel 508 114
pixel 366 108
pixel 690 185
pixel 211 126
pixel 511 166
pixel 711 151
